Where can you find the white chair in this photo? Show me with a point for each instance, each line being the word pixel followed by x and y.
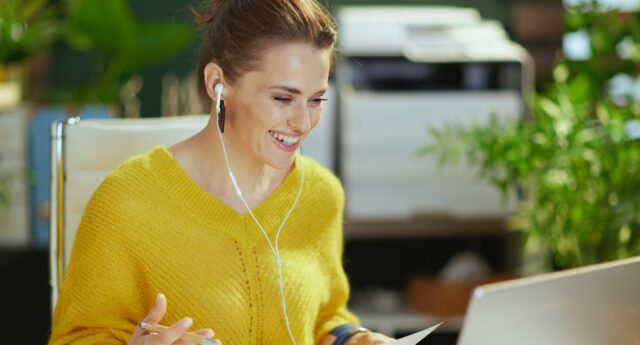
pixel 83 152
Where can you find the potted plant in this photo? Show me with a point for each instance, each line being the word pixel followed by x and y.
pixel 26 28
pixel 575 162
pixel 117 46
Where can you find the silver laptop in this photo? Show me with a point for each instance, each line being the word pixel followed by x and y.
pixel 599 304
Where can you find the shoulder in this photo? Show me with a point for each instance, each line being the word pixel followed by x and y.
pixel 142 165
pixel 321 180
pixel 131 181
pixel 121 202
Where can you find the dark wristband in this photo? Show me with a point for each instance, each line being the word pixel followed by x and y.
pixel 346 331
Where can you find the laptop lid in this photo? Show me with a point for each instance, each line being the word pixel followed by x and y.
pixel 598 304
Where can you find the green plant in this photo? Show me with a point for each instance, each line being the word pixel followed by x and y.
pixel 5 195
pixel 26 27
pixel 8 177
pixel 614 39
pixel 575 162
pixel 119 44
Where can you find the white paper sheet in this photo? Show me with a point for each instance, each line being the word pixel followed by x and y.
pixel 415 337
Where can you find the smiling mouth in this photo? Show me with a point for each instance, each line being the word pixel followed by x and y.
pixel 285 139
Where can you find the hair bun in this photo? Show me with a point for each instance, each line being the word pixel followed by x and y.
pixel 233 29
pixel 210 9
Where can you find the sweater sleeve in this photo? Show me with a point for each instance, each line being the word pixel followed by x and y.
pixel 101 299
pixel 336 313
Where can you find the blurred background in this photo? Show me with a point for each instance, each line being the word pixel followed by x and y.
pixel 477 141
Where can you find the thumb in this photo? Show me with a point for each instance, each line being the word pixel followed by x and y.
pixel 159 309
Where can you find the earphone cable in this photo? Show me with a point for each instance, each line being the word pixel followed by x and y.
pixel 274 249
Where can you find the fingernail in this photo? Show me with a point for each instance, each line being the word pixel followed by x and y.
pixel 158 296
pixel 187 322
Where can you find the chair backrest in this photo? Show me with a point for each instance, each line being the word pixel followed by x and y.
pixel 83 153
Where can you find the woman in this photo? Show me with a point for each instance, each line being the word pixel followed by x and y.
pixel 236 230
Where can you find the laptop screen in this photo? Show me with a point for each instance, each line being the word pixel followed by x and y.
pixel 598 304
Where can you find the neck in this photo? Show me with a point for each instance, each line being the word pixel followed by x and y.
pixel 257 180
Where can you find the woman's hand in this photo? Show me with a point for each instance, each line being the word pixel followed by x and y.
pixel 171 336
pixel 368 338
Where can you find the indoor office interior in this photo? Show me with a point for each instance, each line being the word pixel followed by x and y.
pixel 477 141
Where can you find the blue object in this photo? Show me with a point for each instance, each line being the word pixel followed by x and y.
pixel 343 333
pixel 39 151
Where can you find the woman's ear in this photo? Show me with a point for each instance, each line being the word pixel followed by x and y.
pixel 213 75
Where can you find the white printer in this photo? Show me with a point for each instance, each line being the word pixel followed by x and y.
pixel 403 69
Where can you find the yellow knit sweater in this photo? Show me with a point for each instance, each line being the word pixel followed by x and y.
pixel 150 228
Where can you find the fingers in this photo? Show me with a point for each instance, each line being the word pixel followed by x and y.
pixel 173 333
pixel 206 332
pixel 377 338
pixel 369 338
pixel 209 333
pixel 157 312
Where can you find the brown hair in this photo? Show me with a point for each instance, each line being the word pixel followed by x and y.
pixel 236 31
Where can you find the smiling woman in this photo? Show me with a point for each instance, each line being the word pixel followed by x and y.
pixel 233 226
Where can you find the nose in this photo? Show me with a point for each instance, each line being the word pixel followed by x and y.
pixel 300 120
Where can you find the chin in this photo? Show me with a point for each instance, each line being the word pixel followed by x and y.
pixel 282 162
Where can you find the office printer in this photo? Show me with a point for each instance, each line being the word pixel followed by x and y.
pixel 403 69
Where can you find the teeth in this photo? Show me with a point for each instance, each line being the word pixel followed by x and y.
pixel 285 139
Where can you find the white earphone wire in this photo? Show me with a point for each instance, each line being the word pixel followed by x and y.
pixel 274 248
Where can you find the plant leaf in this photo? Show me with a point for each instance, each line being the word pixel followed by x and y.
pixel 107 25
pixel 156 41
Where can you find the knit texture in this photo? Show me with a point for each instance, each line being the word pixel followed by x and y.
pixel 150 228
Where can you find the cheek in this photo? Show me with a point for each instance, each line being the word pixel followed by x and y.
pixel 315 118
pixel 259 116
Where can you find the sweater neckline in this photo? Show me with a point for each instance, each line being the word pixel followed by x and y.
pixel 186 191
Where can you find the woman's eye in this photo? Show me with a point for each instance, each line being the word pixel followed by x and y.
pixel 283 99
pixel 318 101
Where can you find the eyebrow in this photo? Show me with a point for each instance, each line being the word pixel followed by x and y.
pixel 293 90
